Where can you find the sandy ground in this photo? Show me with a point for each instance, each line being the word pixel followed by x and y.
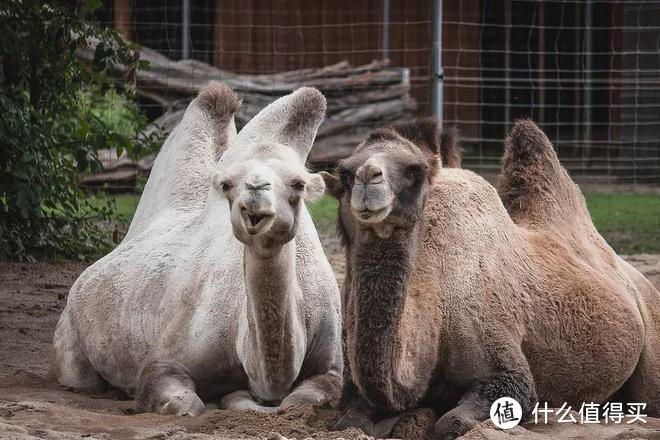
pixel 31 299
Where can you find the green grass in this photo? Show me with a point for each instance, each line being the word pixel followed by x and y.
pixel 630 223
pixel 126 205
pixel 324 213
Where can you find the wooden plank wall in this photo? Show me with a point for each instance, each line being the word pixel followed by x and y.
pixel 258 36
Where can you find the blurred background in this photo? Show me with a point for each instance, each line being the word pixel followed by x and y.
pixel 586 71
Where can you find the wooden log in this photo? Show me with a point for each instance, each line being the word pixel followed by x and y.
pixel 358 97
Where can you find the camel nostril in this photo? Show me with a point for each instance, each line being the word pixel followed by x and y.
pixel 370 172
pixel 258 186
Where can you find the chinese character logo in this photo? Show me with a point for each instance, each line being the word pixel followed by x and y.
pixel 505 413
pixel 612 413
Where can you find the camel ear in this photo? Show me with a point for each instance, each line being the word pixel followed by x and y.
pixel 425 133
pixel 332 184
pixel 314 188
pixel 292 120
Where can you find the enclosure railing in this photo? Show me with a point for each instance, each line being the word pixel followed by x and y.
pixel 586 71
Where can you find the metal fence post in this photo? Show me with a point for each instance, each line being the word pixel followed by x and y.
pixel 185 30
pixel 436 61
pixel 386 29
pixel 588 46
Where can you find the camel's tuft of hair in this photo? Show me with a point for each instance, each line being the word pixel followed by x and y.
pixel 426 134
pixel 219 100
pixel 422 132
pixel 526 142
pixel 533 185
pixel 308 103
pixel 380 134
pixel 524 165
pixel 528 154
pixel 450 150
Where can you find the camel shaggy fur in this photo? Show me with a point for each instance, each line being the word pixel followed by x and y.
pixel 455 296
pixel 220 288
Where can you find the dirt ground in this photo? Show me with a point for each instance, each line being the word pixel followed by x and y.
pixel 31 299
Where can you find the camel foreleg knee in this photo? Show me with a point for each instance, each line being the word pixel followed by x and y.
pixel 474 407
pixel 164 388
pixel 242 400
pixel 316 389
pixel 356 411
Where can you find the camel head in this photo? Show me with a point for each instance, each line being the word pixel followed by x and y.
pixel 384 184
pixel 263 176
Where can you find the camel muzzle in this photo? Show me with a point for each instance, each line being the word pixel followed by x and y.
pixel 371 202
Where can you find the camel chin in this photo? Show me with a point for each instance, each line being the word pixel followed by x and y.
pixel 461 295
pixel 220 290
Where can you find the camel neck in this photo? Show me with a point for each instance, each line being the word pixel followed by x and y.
pixel 274 322
pixel 381 271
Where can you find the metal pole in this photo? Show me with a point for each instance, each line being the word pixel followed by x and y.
pixel 386 29
pixel 185 30
pixel 436 61
pixel 588 43
pixel 507 65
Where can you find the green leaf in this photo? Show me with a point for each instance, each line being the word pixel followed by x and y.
pixel 93 5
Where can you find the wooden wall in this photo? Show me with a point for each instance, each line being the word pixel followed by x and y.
pixel 258 36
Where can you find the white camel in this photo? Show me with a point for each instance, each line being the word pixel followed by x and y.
pixel 220 289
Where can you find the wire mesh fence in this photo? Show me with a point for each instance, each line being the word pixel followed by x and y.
pixel 586 71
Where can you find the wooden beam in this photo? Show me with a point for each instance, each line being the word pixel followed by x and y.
pixel 123 17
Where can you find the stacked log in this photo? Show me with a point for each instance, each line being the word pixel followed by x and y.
pixel 359 97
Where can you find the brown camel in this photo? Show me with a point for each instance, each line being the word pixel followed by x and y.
pixel 455 296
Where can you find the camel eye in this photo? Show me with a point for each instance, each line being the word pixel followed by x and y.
pixel 414 172
pixel 298 185
pixel 346 178
pixel 225 186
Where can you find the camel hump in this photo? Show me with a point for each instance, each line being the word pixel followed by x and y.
pixel 219 101
pixel 180 175
pixel 535 189
pixel 450 150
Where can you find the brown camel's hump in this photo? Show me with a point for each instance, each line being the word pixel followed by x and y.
pixel 535 189
pixel 450 150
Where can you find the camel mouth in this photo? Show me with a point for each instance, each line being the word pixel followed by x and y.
pixel 255 223
pixel 255 219
pixel 372 215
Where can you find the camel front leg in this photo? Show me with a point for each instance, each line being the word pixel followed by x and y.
pixel 316 389
pixel 165 388
pixel 358 413
pixel 321 387
pixel 243 400
pixel 475 405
